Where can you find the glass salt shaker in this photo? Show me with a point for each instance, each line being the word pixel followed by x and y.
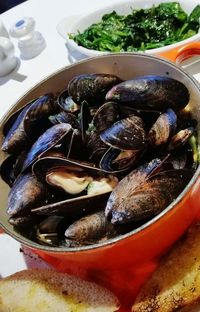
pixel 30 42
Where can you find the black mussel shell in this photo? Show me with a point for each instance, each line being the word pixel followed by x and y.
pixel 105 116
pixel 126 134
pixel 76 148
pixel 42 165
pixel 180 138
pixel 74 207
pixel 130 202
pixel 11 167
pixel 7 170
pixel 30 123
pixel 163 129
pixel 46 141
pixel 150 93
pixel 36 120
pixel 65 117
pixel 51 230
pixel 115 160
pixel 91 87
pixel 95 146
pixel 90 228
pixel 26 193
pixel 84 119
pixel 16 138
pixel 137 176
pixel 13 117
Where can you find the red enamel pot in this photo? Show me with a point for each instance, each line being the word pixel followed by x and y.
pixel 123 263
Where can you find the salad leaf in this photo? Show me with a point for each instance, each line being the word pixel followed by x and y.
pixel 140 30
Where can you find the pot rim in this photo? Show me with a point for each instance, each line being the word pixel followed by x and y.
pixel 51 249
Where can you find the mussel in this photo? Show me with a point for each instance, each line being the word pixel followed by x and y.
pixel 86 186
pixel 163 129
pixel 66 103
pixel 126 134
pixel 46 141
pixel 26 193
pixel 29 124
pixel 91 87
pixel 51 230
pixel 150 93
pixel 105 116
pixel 90 229
pixel 141 196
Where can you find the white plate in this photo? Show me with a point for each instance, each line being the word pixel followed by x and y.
pixel 80 23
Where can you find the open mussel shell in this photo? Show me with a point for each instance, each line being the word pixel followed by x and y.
pixel 116 161
pixel 46 141
pixel 126 134
pixel 54 169
pixel 74 177
pixel 66 103
pixel 180 138
pixel 76 207
pixel 150 93
pixel 65 117
pixel 142 200
pixel 42 165
pixel 51 230
pixel 91 87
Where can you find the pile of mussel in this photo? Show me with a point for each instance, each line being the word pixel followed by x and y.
pixel 99 159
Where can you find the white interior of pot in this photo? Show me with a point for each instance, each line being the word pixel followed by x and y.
pixel 126 66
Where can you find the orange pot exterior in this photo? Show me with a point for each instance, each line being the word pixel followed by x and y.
pixel 182 53
pixel 125 265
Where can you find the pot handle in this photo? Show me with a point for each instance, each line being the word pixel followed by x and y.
pixel 182 53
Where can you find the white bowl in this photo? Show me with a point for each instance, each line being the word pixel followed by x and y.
pixel 80 23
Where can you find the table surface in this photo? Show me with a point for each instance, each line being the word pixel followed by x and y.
pixel 47 15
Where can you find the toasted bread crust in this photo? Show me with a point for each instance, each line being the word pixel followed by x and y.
pixel 62 286
pixel 176 282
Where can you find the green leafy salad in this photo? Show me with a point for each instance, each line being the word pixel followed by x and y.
pixel 140 30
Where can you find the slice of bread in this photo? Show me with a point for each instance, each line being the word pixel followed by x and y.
pixel 50 291
pixel 175 285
